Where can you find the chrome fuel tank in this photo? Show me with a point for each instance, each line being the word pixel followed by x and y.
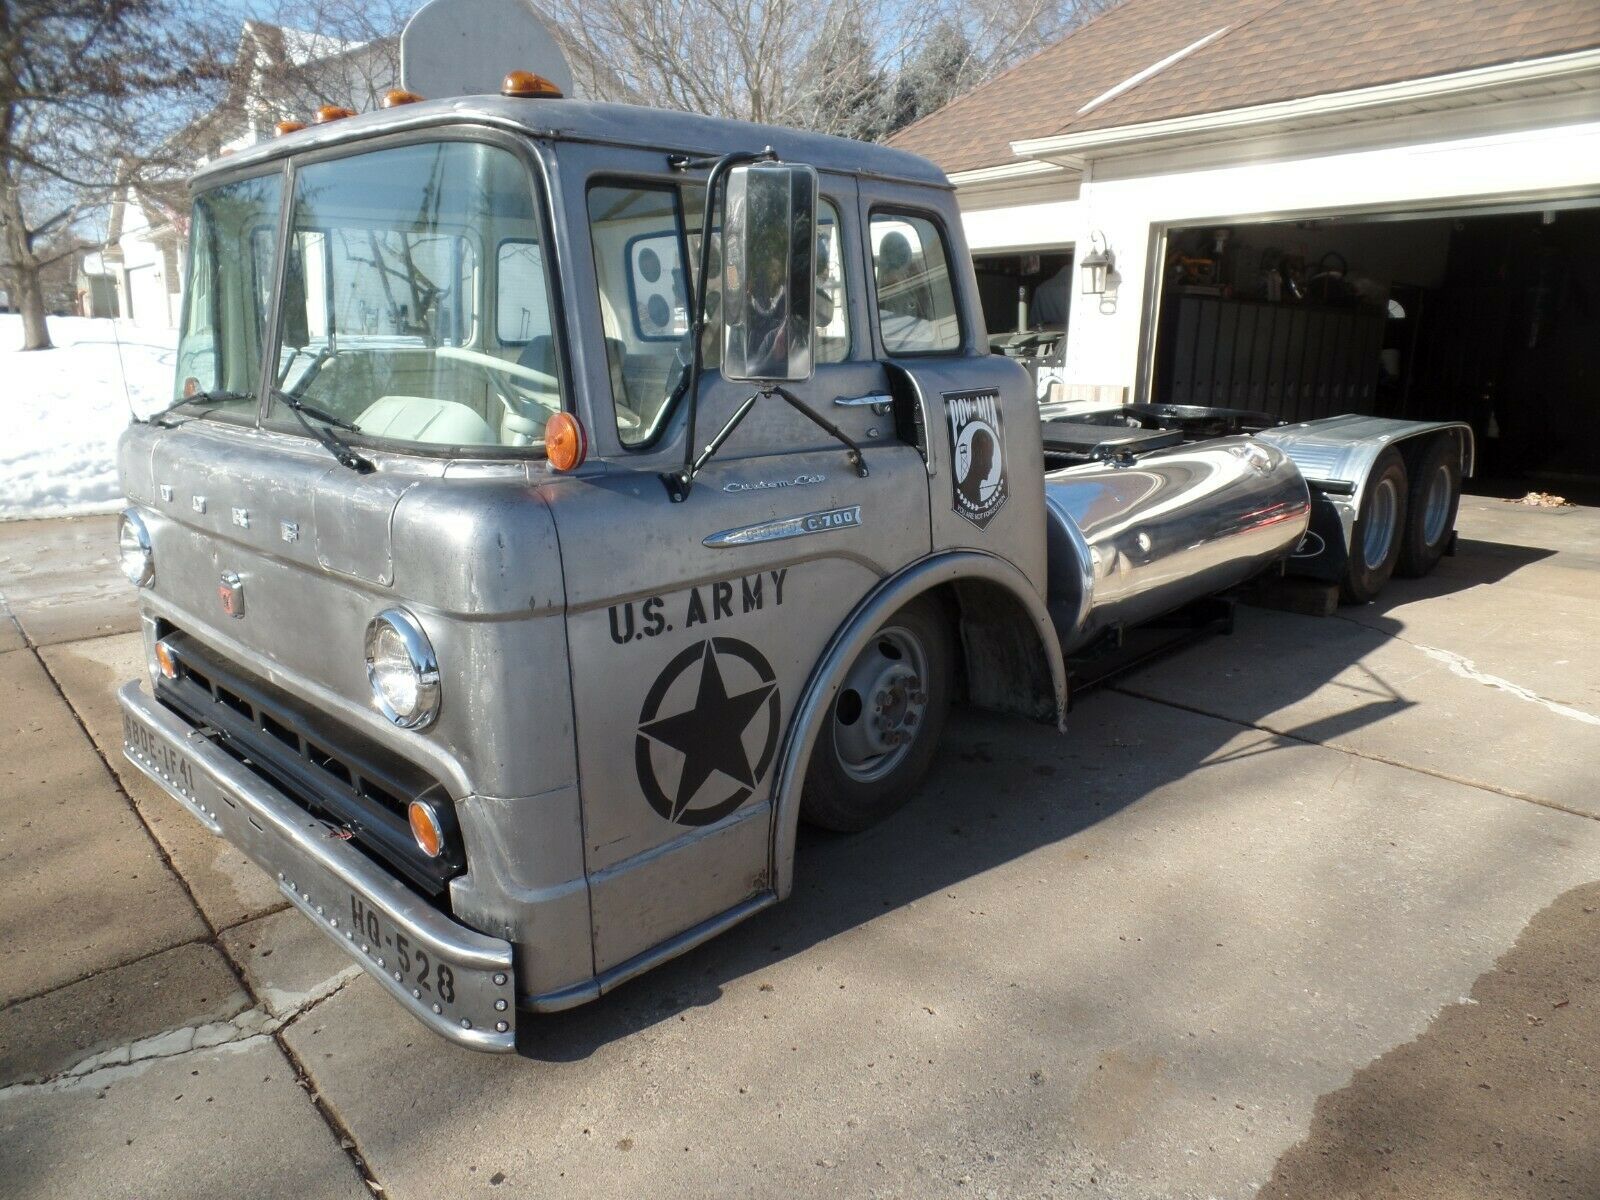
pixel 1128 543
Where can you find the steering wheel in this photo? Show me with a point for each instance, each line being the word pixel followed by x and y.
pixel 531 386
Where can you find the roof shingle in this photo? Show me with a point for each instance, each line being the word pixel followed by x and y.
pixel 1270 50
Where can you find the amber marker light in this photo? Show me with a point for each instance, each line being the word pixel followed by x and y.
pixel 332 112
pixel 566 444
pixel 397 97
pixel 526 85
pixel 426 828
pixel 284 128
pixel 164 660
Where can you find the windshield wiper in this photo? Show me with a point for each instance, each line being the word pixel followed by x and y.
pixel 215 396
pixel 336 446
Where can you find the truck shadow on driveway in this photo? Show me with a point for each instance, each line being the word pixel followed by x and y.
pixel 1003 789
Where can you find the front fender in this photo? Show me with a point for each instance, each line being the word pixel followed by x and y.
pixel 955 567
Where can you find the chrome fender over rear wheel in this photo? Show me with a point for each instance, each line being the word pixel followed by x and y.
pixel 884 725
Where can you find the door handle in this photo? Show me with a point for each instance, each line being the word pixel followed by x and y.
pixel 878 402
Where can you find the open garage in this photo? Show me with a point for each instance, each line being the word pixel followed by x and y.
pixel 1489 315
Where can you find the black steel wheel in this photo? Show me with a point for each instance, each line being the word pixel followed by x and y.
pixel 885 722
pixel 1431 512
pixel 1379 533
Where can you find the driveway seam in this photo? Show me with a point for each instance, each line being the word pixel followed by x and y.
pixel 1476 785
pixel 341 1132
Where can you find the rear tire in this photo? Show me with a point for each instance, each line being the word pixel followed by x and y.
pixel 1375 543
pixel 1431 510
pixel 883 728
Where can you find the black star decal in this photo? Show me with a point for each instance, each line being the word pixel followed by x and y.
pixel 710 735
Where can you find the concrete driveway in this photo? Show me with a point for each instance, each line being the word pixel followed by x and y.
pixel 1308 910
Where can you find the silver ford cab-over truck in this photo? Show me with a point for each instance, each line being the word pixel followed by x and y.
pixel 561 500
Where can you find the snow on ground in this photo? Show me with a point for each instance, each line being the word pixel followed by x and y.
pixel 63 410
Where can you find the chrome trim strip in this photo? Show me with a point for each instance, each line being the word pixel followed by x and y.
pixel 828 519
pixel 316 872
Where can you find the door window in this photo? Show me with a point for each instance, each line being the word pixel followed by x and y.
pixel 642 233
pixel 916 300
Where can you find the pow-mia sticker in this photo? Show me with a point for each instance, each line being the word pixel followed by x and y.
pixel 707 731
pixel 977 454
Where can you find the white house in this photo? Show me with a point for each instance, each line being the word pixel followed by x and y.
pixel 1309 206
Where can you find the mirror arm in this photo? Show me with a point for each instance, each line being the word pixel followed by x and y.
pixel 856 458
pixel 680 482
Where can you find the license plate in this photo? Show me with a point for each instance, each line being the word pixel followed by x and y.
pixel 168 762
pixel 429 981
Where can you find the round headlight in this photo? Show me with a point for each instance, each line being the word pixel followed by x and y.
pixel 402 669
pixel 133 549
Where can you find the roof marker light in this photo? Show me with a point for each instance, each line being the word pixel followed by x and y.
pixel 332 112
pixel 525 85
pixel 398 96
pixel 284 128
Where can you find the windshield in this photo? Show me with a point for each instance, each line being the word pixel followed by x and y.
pixel 416 301
pixel 232 245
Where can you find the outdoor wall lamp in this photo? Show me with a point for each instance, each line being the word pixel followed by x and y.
pixel 1097 265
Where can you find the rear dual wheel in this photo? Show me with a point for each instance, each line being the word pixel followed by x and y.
pixel 1435 496
pixel 883 729
pixel 1379 534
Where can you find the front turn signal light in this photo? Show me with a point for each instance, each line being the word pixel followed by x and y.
pixel 426 827
pixel 566 444
pixel 164 660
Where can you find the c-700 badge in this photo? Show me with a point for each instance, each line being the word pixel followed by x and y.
pixel 977 454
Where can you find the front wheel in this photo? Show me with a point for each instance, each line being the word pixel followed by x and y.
pixel 884 726
pixel 1379 530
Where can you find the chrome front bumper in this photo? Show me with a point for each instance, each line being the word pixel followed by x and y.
pixel 458 982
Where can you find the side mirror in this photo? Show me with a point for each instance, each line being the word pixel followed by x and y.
pixel 769 273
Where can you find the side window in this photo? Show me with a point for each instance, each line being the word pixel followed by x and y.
pixel 916 300
pixel 641 233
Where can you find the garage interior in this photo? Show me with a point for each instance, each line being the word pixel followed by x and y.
pixel 1490 317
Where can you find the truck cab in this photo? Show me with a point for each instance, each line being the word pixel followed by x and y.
pixel 490 717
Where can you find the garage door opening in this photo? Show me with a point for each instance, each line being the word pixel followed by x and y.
pixel 1491 318
pixel 1027 300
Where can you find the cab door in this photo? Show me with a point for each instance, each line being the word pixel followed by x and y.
pixel 693 626
pixel 983 439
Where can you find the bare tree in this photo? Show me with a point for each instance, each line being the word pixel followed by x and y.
pixel 83 83
pixel 305 54
pixel 831 66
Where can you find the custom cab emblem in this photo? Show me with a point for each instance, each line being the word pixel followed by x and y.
pixel 231 592
pixel 766 485
pixel 977 451
pixel 707 731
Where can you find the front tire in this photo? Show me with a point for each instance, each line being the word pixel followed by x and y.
pixel 883 728
pixel 1379 532
pixel 1431 511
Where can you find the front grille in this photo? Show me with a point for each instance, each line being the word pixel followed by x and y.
pixel 359 788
